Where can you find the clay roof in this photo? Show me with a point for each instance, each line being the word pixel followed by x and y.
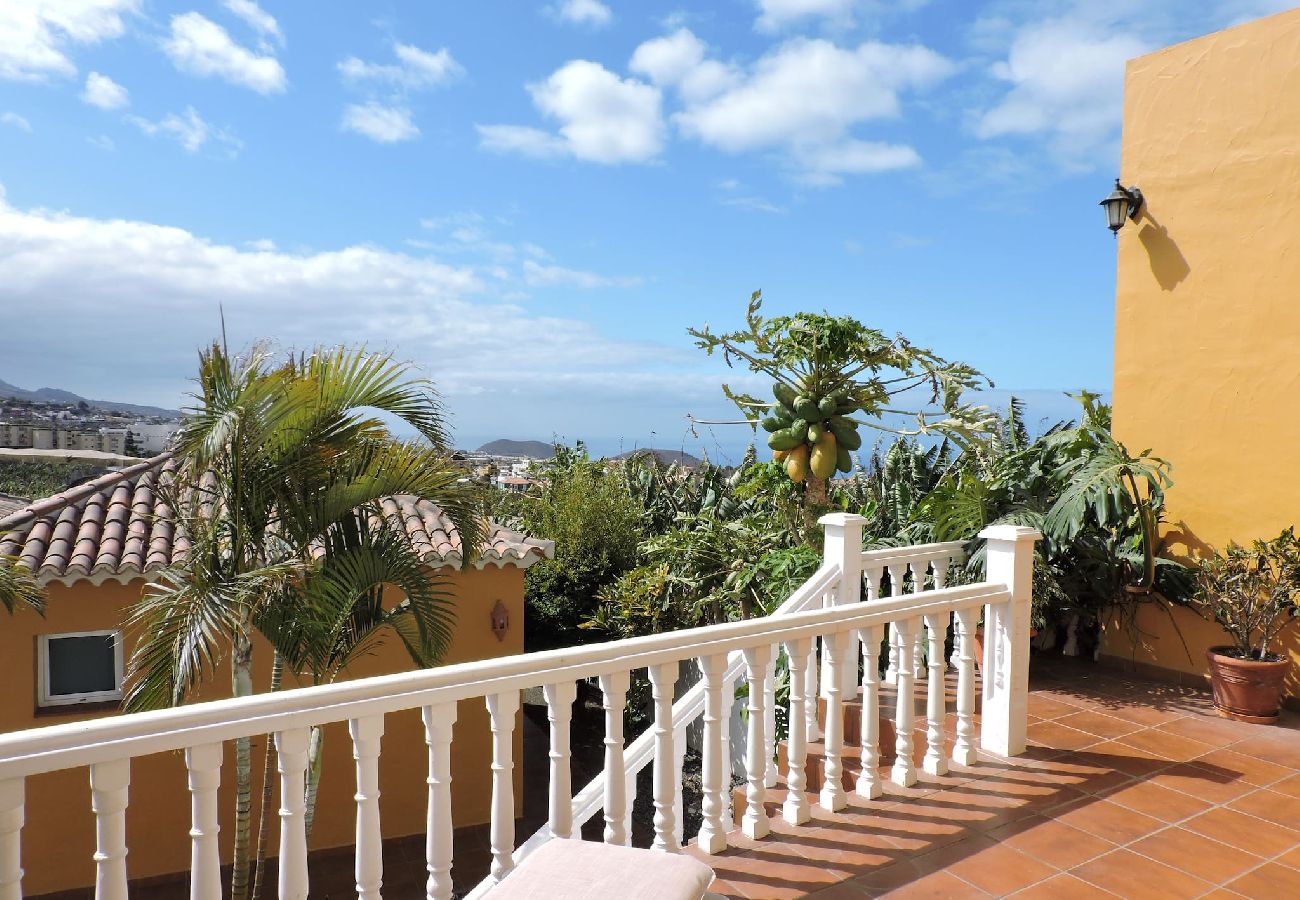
pixel 118 526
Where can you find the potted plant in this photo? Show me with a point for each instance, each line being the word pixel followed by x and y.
pixel 1251 592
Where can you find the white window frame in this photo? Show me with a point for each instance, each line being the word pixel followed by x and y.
pixel 43 697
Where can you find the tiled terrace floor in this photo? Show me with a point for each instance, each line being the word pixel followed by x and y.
pixel 1129 788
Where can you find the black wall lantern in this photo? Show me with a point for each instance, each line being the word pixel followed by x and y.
pixel 1122 202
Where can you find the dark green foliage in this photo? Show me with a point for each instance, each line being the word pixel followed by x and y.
pixel 38 478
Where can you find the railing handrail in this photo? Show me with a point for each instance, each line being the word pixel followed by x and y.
pixel 72 745
pixel 886 555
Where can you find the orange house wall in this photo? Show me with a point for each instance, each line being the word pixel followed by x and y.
pixel 1207 365
pixel 58 838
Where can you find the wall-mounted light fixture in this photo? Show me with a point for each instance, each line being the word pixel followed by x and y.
pixel 1123 202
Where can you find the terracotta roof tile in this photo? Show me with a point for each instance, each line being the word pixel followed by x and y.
pixel 119 526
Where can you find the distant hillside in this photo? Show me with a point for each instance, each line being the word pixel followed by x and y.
pixel 531 449
pixel 667 457
pixel 56 395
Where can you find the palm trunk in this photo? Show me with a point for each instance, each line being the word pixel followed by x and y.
pixel 315 762
pixel 816 498
pixel 263 813
pixel 242 677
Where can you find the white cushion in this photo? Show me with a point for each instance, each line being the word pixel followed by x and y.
pixel 586 870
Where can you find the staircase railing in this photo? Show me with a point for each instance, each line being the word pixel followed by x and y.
pixel 824 609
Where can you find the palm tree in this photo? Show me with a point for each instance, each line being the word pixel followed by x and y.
pixel 19 588
pixel 283 468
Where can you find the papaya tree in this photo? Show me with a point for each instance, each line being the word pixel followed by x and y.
pixel 832 376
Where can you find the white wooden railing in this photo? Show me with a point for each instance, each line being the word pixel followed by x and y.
pixel 825 609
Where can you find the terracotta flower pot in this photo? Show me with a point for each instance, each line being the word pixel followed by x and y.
pixel 1249 690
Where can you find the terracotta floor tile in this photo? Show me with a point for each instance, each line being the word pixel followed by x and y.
pixel 845 890
pixel 1056 736
pixel 1170 746
pixel 1268 882
pixel 1108 821
pixel 1000 870
pixel 1062 887
pixel 1289 786
pixel 1205 858
pixel 1247 768
pixel 1160 802
pixel 1046 707
pixel 1271 806
pixel 1243 831
pixel 1209 729
pixel 1202 781
pixel 843 848
pixel 1282 749
pixel 1052 841
pixel 1141 713
pixel 1103 726
pixel 937 885
pixel 774 872
pixel 1130 875
pixel 1124 757
pixel 1291 859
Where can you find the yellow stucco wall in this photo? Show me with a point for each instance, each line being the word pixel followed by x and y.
pixel 58 838
pixel 1207 337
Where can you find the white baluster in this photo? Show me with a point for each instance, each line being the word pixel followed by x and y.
pixel 868 785
pixel 109 782
pixel 204 767
pixel 291 752
pixel 11 829
pixel 679 762
pixel 771 774
pixel 936 698
pixel 662 679
pixel 713 830
pixel 438 722
pixel 897 571
pixel 871 576
pixel 918 641
pixel 812 730
pixel 630 794
pixel 963 748
pixel 832 795
pixel 613 689
pixel 904 772
pixel 795 810
pixel 367 734
pixel 559 712
pixel 754 823
pixel 728 770
pixel 941 564
pixel 501 715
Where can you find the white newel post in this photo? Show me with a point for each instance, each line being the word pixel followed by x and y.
pixel 204 766
pixel 109 782
pixel 559 712
pixel 843 547
pixel 1005 693
pixel 11 829
pixel 367 734
pixel 438 722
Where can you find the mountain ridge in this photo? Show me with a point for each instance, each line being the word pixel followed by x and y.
pixel 58 395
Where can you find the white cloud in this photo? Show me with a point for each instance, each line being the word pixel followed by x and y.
pixel 104 92
pixel 35 34
pixel 385 124
pixel 583 12
pixel 102 142
pixel 256 18
pixel 1066 83
pixel 80 283
pixel 603 118
pixel 189 130
pixel 13 120
pixel 539 275
pixel 803 98
pixel 775 15
pixel 199 46
pixel 414 69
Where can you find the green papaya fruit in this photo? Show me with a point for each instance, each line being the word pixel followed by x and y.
pixel 846 434
pixel 785 439
pixel 846 406
pixel 800 427
pixel 843 460
pixel 823 457
pixel 784 394
pixel 783 412
pixel 806 408
pixel 815 432
pixel 828 406
pixel 771 424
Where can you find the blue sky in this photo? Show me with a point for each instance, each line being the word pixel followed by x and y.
pixel 534 200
